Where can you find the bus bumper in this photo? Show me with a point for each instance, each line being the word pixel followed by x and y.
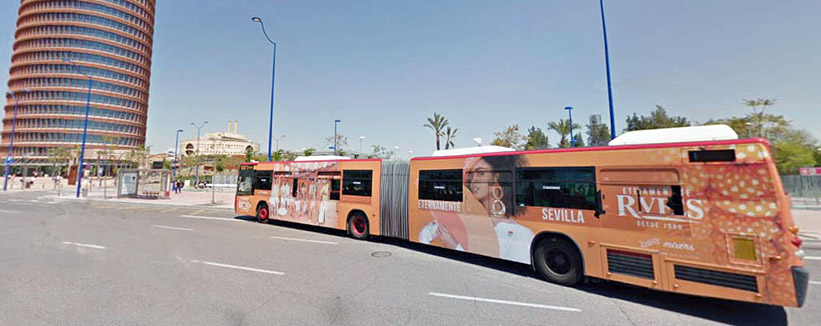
pixel 801 278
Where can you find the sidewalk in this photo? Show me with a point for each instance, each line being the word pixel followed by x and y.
pixel 202 198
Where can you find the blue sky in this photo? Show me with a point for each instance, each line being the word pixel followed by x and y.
pixel 382 67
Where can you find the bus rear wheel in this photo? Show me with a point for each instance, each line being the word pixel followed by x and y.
pixel 262 213
pixel 558 261
pixel 358 226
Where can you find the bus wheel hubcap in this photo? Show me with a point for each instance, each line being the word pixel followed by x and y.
pixel 558 262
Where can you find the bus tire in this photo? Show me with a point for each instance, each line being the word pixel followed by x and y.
pixel 358 226
pixel 558 261
pixel 263 213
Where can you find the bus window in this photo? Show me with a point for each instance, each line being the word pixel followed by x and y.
pixel 262 180
pixel 357 182
pixel 444 185
pixel 335 185
pixel 295 188
pixel 245 184
pixel 573 187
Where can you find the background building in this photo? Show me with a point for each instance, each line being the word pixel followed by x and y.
pixel 228 143
pixel 109 40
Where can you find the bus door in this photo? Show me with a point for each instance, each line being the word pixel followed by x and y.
pixel 328 187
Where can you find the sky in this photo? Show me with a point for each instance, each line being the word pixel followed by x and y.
pixel 383 67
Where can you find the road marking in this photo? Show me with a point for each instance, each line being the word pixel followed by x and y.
pixel 812 258
pixel 83 245
pixel 212 218
pixel 197 212
pixel 8 212
pixel 815 282
pixel 169 210
pixel 304 240
pixel 172 228
pixel 523 304
pixel 239 267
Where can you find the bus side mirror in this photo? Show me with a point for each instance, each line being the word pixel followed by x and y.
pixel 599 208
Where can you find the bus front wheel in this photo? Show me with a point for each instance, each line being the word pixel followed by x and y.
pixel 262 213
pixel 558 261
pixel 358 226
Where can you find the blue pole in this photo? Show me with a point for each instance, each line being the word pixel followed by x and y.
pixel 570 114
pixel 271 118
pixel 607 65
pixel 176 146
pixel 11 143
pixel 83 145
pixel 335 137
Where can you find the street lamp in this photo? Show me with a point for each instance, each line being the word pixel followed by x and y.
pixel 361 138
pixel 336 140
pixel 11 137
pixel 85 126
pixel 278 139
pixel 176 147
pixel 273 78
pixel 570 115
pixel 607 65
pixel 197 170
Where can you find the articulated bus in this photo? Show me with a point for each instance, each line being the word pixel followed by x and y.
pixel 707 218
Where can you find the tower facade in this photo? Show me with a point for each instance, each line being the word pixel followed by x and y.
pixel 59 46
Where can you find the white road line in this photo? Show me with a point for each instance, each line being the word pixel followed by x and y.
pixel 304 240
pixel 83 245
pixel 815 283
pixel 239 267
pixel 172 228
pixel 812 258
pixel 212 218
pixel 8 212
pixel 523 304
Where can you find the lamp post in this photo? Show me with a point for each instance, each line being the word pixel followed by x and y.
pixel 361 138
pixel 336 139
pixel 176 147
pixel 197 169
pixel 80 169
pixel 11 137
pixel 570 115
pixel 273 78
pixel 278 139
pixel 607 65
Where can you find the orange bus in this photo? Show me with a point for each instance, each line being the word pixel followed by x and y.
pixel 706 218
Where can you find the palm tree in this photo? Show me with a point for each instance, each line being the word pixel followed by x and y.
pixel 437 124
pixel 562 127
pixel 450 134
pixel 754 104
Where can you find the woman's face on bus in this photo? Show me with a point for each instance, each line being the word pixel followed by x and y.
pixel 480 178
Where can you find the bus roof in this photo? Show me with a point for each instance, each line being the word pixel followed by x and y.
pixel 676 135
pixel 608 148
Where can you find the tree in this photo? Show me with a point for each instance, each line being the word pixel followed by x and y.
pixel 562 127
pixel 789 156
pixel 381 152
pixel 139 155
pixel 340 141
pixel 437 123
pixel 578 140
pixel 759 115
pixel 598 134
pixel 509 137
pixel 59 156
pixel 657 119
pixel 249 154
pixel 450 133
pixel 309 151
pixel 536 139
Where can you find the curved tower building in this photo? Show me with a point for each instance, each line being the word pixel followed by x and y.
pixel 60 45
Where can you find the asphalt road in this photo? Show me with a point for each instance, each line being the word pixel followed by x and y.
pixel 92 263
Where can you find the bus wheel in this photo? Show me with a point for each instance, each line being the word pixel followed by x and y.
pixel 262 213
pixel 358 226
pixel 558 261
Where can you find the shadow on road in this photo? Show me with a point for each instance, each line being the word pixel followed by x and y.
pixel 716 310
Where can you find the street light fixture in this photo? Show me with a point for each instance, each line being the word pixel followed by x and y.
pixel 80 169
pixel 197 153
pixel 11 137
pixel 570 115
pixel 273 78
